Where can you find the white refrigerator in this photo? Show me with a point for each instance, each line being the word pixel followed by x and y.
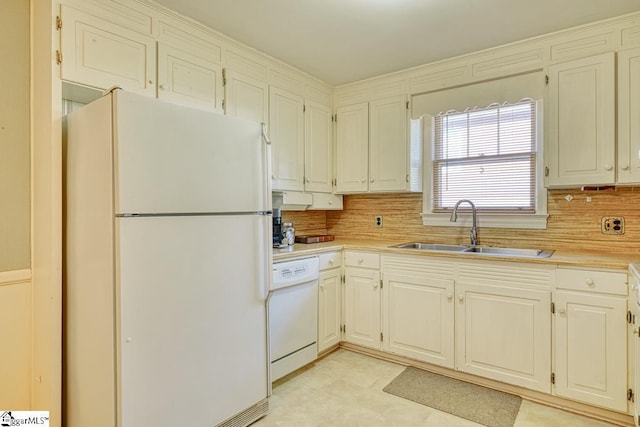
pixel 167 266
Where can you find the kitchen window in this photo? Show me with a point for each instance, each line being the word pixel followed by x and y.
pixel 492 157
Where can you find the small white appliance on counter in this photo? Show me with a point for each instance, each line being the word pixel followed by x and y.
pixel 167 268
pixel 293 315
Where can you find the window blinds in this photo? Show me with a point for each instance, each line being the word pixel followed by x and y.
pixel 488 156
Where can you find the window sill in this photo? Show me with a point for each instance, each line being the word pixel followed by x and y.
pixel 528 221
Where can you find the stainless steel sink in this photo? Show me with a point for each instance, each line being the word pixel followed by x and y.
pixel 484 250
pixel 516 252
pixel 432 247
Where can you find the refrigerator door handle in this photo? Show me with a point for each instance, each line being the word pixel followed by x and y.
pixel 264 134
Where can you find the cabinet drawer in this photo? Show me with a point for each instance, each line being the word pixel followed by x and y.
pixel 607 282
pixel 362 259
pixel 330 260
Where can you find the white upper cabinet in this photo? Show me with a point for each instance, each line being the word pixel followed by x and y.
pixel 628 114
pixel 99 53
pixel 352 145
pixel 246 97
pixel 188 79
pixel 374 151
pixel 388 160
pixel 286 128
pixel 318 153
pixel 580 147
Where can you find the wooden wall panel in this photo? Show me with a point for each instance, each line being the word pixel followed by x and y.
pixel 572 225
pixel 306 222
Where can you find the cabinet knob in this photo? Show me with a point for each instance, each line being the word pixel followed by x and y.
pixel 161 86
pixel 307 180
pixel 375 286
pixel 625 168
pixel 330 202
pixel 608 167
pixel 461 298
pixel 589 281
pixel 331 262
pixel 634 287
pixel 322 287
pixel 363 180
pixel 371 180
pixel 360 260
pixel 449 297
pixel 562 310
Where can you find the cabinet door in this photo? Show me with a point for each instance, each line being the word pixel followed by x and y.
pixel 634 350
pixel 352 148
pixel 580 146
pixel 187 79
pixel 628 113
pixel 318 153
pixel 329 309
pixel 286 123
pixel 362 307
pixel 246 97
pixel 418 315
pixel 591 348
pixel 504 334
pixel 101 54
pixel 388 144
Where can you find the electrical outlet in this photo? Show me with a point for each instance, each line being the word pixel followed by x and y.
pixel 612 225
pixel 378 219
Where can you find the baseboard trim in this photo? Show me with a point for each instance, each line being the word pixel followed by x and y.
pixel 578 408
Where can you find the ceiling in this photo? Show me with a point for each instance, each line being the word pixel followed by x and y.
pixel 341 41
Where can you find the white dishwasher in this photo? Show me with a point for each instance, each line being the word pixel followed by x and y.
pixel 292 309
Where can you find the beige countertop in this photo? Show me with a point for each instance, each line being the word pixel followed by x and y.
pixel 562 257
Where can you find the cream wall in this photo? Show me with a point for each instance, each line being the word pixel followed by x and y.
pixel 14 136
pixel 16 290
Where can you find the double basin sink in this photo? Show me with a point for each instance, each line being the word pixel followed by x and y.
pixel 485 250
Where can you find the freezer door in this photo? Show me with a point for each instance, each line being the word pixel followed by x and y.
pixel 192 331
pixel 173 159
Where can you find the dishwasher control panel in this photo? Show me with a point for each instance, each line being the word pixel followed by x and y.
pixel 289 273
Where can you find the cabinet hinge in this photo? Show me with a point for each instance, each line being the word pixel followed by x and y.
pixel 407 105
pixel 629 317
pixel 553 307
pixel 407 178
pixel 630 395
pixel 553 378
pixel 546 171
pixel 344 329
pixel 381 284
pixel 224 104
pixel 546 79
pixel 224 77
pixel 381 337
pixel 58 57
pixel 343 278
pixel 336 118
pixel 58 23
pixel 304 108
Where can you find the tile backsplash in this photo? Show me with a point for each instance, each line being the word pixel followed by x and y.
pixel 572 225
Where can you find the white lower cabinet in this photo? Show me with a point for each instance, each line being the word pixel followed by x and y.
pixel 495 319
pixel 418 314
pixel 363 324
pixel 329 301
pixel 591 337
pixel 504 333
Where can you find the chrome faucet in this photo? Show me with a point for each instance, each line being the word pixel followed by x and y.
pixel 474 230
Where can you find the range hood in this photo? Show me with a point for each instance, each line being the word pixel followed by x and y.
pixel 291 200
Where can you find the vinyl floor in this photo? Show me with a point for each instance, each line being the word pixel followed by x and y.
pixel 345 389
